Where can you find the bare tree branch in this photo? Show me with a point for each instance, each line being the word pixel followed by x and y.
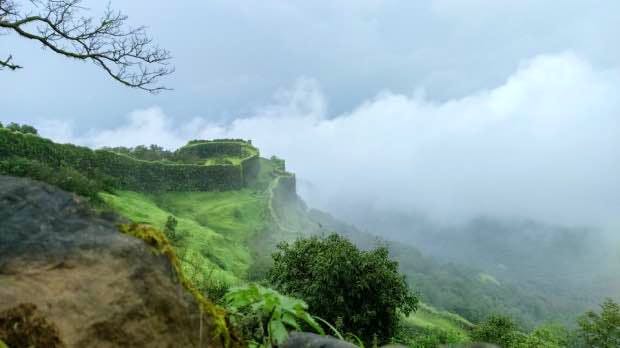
pixel 127 54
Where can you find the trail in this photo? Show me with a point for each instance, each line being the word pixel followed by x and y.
pixel 274 216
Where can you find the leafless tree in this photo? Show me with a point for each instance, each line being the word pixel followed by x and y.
pixel 127 54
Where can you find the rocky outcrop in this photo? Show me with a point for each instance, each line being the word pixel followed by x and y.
pixel 94 286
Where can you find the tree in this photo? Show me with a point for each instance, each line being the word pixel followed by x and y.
pixel 497 329
pixel 601 330
pixel 170 230
pixel 360 290
pixel 126 54
pixel 24 128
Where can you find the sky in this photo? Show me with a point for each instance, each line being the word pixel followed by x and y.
pixel 450 108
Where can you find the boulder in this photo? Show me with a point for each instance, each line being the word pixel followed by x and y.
pixel 91 286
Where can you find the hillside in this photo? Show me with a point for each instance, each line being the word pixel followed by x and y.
pixel 231 207
pixel 70 279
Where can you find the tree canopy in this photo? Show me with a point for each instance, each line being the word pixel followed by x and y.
pixel 361 292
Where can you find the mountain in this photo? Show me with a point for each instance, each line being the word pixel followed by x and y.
pixel 223 209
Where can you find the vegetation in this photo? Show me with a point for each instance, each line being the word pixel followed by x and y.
pixel 219 239
pixel 64 177
pixel 360 290
pixel 601 329
pixel 457 288
pixel 22 128
pixel 141 152
pixel 266 316
pixel 119 171
pixel 429 327
pixel 498 329
pixel 212 232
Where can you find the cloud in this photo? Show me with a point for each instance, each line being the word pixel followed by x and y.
pixel 545 144
pixel 240 51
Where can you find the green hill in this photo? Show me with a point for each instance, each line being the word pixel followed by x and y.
pixel 232 207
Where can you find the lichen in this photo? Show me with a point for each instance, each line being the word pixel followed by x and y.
pixel 161 245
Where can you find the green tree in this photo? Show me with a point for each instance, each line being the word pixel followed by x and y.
pixel 601 329
pixel 170 230
pixel 24 128
pixel 362 290
pixel 497 329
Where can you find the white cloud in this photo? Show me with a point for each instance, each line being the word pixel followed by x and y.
pixel 545 144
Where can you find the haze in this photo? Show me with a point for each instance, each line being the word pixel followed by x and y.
pixel 452 109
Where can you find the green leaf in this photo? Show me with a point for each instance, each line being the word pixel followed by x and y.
pixel 278 332
pixel 290 320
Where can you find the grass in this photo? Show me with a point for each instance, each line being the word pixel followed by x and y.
pixel 215 227
pixel 488 279
pixel 427 317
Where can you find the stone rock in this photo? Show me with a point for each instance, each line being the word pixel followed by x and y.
pixel 310 340
pixel 98 287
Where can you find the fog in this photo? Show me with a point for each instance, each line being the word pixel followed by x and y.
pixel 544 145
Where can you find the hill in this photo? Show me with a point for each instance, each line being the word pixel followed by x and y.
pixel 231 207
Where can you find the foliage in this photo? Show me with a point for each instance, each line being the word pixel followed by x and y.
pixel 66 178
pixel 457 288
pixel 363 289
pixel 271 315
pixel 502 330
pixel 124 172
pixel 601 329
pixel 497 329
pixel 547 336
pixel 23 128
pixel 200 150
pixel 141 152
pixel 170 229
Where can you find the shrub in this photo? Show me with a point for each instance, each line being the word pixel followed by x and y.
pixel 423 337
pixel 24 128
pixel 497 329
pixel 64 177
pixel 601 329
pixel 361 289
pixel 122 171
pixel 267 316
pixel 170 230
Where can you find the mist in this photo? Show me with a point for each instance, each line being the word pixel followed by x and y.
pixel 543 145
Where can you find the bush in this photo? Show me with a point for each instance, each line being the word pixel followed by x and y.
pixel 266 316
pixel 497 329
pixel 360 289
pixel 24 128
pixel 170 230
pixel 64 177
pixel 122 171
pixel 426 337
pixel 601 330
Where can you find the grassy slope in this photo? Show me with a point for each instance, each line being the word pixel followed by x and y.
pixel 215 226
pixel 427 317
pixel 219 229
